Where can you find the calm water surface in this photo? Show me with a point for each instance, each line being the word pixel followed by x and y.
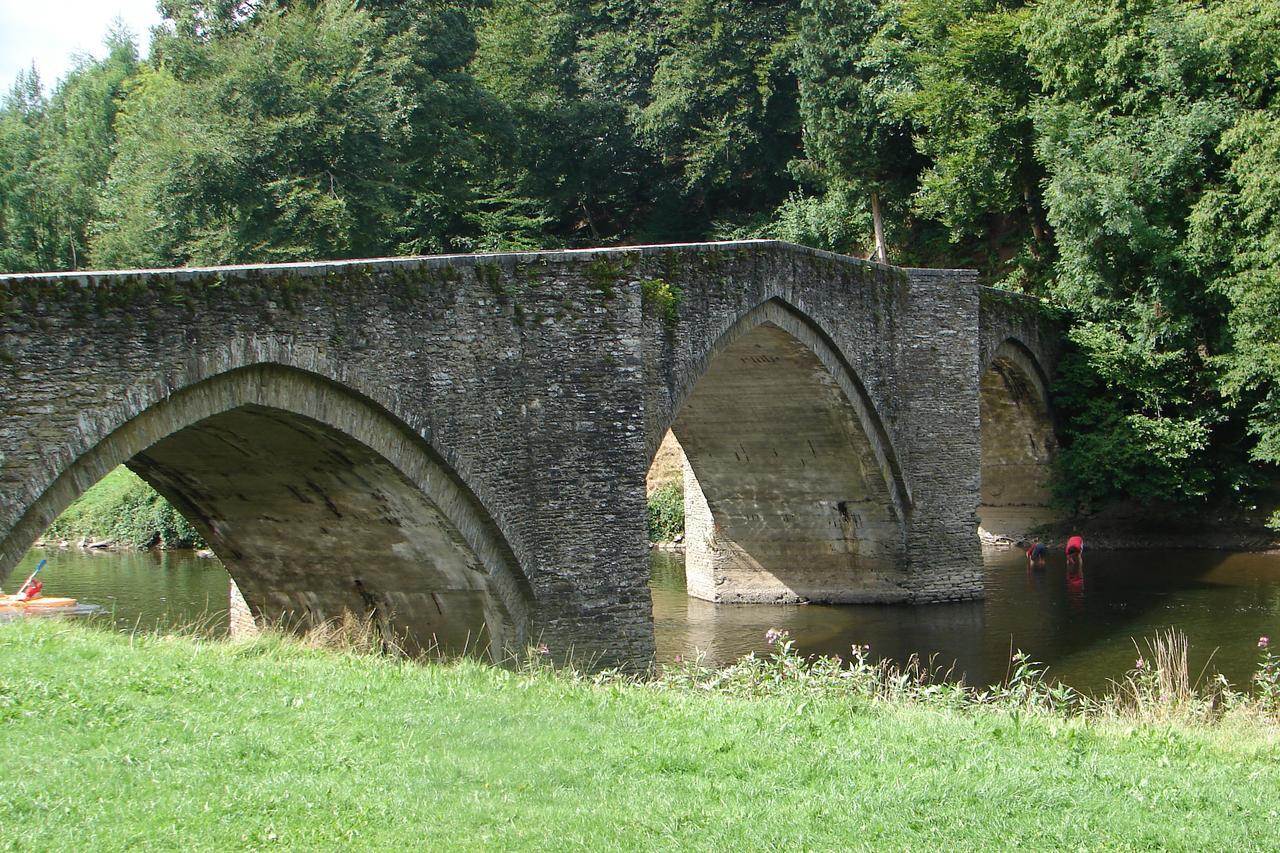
pixel 136 589
pixel 1084 632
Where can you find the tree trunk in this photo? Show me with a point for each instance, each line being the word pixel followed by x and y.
pixel 882 254
pixel 1033 213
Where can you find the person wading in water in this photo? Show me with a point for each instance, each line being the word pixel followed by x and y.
pixel 1075 551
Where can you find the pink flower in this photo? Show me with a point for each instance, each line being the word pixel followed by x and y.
pixel 773 635
pixel 542 649
pixel 1139 664
pixel 679 658
pixel 1263 642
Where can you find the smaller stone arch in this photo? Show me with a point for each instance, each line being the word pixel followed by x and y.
pixel 792 491
pixel 781 314
pixel 318 500
pixel 1018 443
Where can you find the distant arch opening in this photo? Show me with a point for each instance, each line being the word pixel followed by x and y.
pixel 790 493
pixel 1018 446
pixel 319 502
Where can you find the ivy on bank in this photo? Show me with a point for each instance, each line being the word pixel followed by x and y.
pixel 124 510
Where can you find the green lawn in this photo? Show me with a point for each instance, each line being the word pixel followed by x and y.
pixel 113 743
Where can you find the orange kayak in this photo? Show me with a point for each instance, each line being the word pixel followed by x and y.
pixel 10 602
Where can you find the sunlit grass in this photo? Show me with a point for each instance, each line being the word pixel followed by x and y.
pixel 114 741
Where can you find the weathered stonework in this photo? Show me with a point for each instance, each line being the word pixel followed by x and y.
pixel 459 444
pixel 1020 346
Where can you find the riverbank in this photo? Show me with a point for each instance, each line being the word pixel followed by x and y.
pixel 1140 528
pixel 115 742
pixel 1134 527
pixel 121 511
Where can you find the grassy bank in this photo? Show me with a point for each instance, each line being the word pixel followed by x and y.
pixel 124 510
pixel 112 742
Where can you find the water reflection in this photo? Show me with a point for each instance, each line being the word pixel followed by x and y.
pixel 142 590
pixel 1083 627
pixel 1083 624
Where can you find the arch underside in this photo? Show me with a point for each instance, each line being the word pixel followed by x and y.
pixel 787 498
pixel 293 484
pixel 1018 446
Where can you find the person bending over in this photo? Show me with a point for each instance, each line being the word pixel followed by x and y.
pixel 1075 551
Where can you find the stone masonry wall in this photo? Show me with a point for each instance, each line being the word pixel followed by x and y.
pixel 905 345
pixel 1034 325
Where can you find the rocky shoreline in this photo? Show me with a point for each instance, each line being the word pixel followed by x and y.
pixel 1126 529
pixel 109 545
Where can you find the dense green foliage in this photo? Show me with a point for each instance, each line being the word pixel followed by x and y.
pixel 123 509
pixel 666 513
pixel 1116 158
pixel 118 743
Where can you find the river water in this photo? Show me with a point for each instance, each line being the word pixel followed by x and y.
pixel 1084 630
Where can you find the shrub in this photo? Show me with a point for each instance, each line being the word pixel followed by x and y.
pixel 124 509
pixel 666 513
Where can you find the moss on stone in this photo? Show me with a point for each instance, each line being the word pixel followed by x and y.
pixel 446 274
pixel 491 275
pixel 662 296
pixel 603 276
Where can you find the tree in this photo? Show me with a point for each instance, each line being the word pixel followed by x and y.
pixel 27 222
pixel 275 131
pixel 1235 231
pixel 852 69
pixel 722 109
pixel 971 108
pixel 78 142
pixel 1128 132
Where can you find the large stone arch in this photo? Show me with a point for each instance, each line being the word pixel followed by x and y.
pixel 318 500
pixel 1018 442
pixel 792 489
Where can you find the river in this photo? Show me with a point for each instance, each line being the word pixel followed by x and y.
pixel 1083 631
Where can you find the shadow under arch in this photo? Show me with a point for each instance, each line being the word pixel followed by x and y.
pixel 1018 443
pixel 792 489
pixel 782 314
pixel 317 500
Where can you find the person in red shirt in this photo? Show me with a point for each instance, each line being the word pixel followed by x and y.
pixel 1075 551
pixel 31 592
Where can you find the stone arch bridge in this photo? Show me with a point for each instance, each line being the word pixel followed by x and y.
pixel 459 444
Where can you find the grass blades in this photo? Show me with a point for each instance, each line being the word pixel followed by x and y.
pixel 149 742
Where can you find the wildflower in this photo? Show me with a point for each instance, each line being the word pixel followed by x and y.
pixel 679 658
pixel 1263 642
pixel 1139 664
pixel 773 635
pixel 542 649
